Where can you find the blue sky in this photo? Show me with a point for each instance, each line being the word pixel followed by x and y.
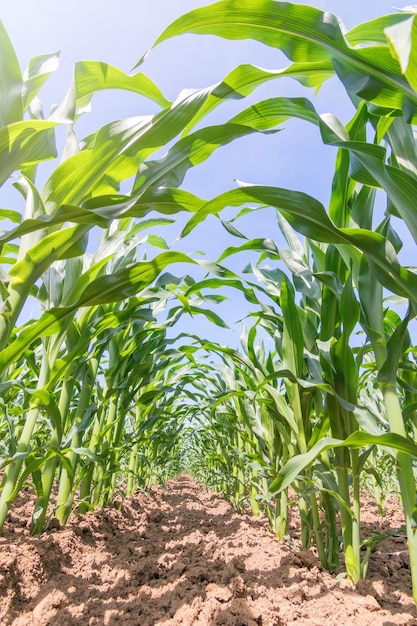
pixel 119 33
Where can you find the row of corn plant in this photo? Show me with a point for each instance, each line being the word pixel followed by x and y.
pixel 76 372
pixel 356 263
pixel 250 421
pixel 301 415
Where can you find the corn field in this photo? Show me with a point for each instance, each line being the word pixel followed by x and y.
pixel 102 396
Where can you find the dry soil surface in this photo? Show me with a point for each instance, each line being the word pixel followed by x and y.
pixel 181 555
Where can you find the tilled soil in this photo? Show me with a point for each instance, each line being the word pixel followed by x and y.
pixel 182 556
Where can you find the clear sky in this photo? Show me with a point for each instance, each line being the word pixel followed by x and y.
pixel 119 33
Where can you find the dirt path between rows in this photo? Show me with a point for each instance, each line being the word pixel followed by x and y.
pixel 182 556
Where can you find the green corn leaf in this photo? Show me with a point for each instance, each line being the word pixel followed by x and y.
pixel 373 32
pixel 296 465
pixel 24 144
pixel 300 32
pixel 219 283
pixel 155 240
pixel 395 349
pixel 11 82
pixel 36 74
pixel 319 225
pixel 94 458
pixel 371 298
pixel 231 229
pixel 77 281
pixel 63 244
pixel 210 315
pixel 258 245
pixel 291 238
pixel 341 188
pixel 349 307
pixel 245 78
pixel 9 214
pixel 101 210
pixel 93 76
pixel 44 398
pixel 186 153
pixel 367 160
pixel 33 463
pixel 402 39
pixel 401 138
pixel 268 113
pixel 345 377
pixel 125 283
pixel 293 341
pixel 166 201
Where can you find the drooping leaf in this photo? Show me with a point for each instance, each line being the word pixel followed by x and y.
pixel 357 440
pixel 305 34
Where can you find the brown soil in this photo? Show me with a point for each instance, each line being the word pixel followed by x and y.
pixel 182 556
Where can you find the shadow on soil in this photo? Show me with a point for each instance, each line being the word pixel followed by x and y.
pixel 168 558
